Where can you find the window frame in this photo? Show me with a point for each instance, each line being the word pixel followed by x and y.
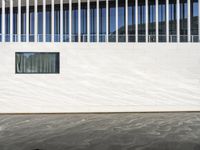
pixel 58 63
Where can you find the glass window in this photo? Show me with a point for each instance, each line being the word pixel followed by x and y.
pixel 121 21
pixel 48 23
pixel 57 23
pixel 131 20
pixel 172 21
pixel 141 21
pixel 152 21
pixel 15 25
pixel 84 22
pixel 7 25
pixel 23 24
pixel 102 21
pixel 162 20
pixel 194 20
pixel 65 23
pixel 36 62
pixel 112 21
pixel 74 22
pixel 93 22
pixel 40 23
pixel 31 24
pixel 183 20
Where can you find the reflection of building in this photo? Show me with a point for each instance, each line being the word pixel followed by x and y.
pixel 49 20
pixel 99 55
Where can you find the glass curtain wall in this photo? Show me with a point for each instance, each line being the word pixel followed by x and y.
pixel 194 21
pixel 23 24
pixel 48 23
pixel 152 20
pixel 121 21
pixel 112 21
pixel 31 24
pixel 74 22
pixel 172 21
pixel 183 20
pixel 40 24
pixel 57 23
pixel 15 25
pixel 141 21
pixel 162 20
pixel 102 21
pixel 131 20
pixel 93 22
pixel 83 22
pixel 7 24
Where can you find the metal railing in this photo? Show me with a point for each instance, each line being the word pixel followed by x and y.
pixel 102 38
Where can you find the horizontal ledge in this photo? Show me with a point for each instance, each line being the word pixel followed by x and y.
pixel 102 109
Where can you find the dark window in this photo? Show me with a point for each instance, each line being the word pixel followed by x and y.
pixel 36 62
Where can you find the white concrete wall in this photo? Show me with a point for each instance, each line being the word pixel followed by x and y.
pixel 104 78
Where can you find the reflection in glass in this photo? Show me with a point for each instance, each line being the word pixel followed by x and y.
pixel 74 22
pixel 93 22
pixel 102 21
pixel 31 24
pixel 57 23
pixel 84 22
pixel 112 21
pixel 27 62
pixel 15 25
pixel 131 20
pixel 40 24
pixel 152 21
pixel 121 21
pixel 194 21
pixel 183 20
pixel 65 23
pixel 7 25
pixel 23 24
pixel 172 21
pixel 162 20
pixel 48 23
pixel 141 21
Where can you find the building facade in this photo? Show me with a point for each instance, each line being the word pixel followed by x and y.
pixel 99 55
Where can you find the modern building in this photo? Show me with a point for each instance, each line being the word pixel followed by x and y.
pixel 99 55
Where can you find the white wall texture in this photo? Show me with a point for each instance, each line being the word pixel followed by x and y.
pixel 104 77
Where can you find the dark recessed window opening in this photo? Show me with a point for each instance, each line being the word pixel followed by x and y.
pixel 37 62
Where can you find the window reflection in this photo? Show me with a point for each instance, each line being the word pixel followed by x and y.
pixel 112 21
pixel 194 20
pixel 172 21
pixel 152 21
pixel 131 20
pixel 121 21
pixel 74 22
pixel 102 21
pixel 40 24
pixel 183 20
pixel 162 20
pixel 31 24
pixel 57 23
pixel 141 21
pixel 93 22
pixel 65 23
pixel 84 22
pixel 48 23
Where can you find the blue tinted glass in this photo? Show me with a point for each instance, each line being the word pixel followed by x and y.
pixel 75 22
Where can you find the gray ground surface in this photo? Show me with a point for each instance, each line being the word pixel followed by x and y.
pixel 128 131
